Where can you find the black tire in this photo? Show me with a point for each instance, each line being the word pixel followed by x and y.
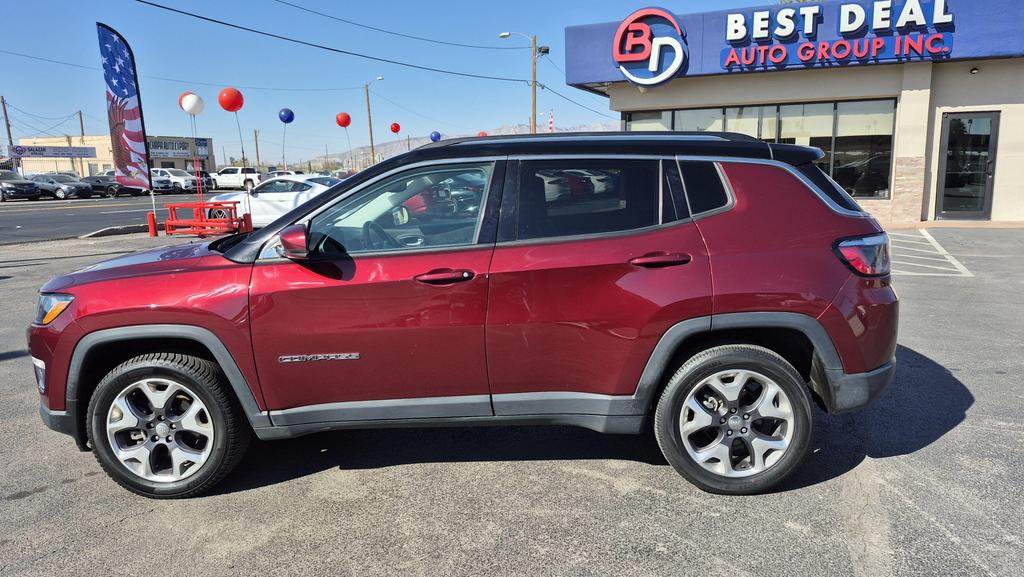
pixel 60 194
pixel 206 380
pixel 112 192
pixel 707 363
pixel 176 188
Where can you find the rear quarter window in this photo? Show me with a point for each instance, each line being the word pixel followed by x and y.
pixel 828 186
pixel 703 184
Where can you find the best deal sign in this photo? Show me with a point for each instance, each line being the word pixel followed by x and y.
pixel 867 32
pixel 651 46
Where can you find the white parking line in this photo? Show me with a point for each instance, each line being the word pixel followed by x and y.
pixel 910 249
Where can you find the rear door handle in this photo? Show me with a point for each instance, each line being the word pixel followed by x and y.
pixel 443 276
pixel 660 259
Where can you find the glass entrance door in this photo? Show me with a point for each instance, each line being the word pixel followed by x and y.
pixel 968 164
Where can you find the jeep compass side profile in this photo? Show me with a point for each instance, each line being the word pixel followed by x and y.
pixel 710 286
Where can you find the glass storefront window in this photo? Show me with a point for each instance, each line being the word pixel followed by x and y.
pixel 657 121
pixel 809 125
pixel 756 121
pixel 856 136
pixel 700 120
pixel 863 150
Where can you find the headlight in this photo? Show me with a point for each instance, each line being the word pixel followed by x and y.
pixel 50 307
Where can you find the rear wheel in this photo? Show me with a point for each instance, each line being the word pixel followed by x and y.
pixel 166 425
pixel 735 419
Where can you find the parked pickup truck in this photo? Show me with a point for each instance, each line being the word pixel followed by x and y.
pixel 236 177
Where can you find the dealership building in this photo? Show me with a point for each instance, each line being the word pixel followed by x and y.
pixel 918 105
pixel 164 152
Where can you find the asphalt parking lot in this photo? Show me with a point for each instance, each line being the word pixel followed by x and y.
pixel 925 482
pixel 24 220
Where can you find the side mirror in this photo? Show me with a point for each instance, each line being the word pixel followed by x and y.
pixel 293 243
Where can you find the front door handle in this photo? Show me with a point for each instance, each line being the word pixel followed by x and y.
pixel 443 276
pixel 660 259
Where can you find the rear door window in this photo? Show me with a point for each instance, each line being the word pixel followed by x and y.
pixel 559 198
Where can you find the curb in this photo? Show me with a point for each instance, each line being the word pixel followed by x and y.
pixel 115 230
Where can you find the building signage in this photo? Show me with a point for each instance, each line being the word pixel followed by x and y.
pixel 654 45
pixel 881 30
pixel 641 44
pixel 159 148
pixel 24 151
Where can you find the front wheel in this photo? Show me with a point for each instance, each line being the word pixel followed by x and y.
pixel 165 425
pixel 735 420
pixel 176 188
pixel 60 194
pixel 112 192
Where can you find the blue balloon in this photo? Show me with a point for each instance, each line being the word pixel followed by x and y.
pixel 435 136
pixel 286 115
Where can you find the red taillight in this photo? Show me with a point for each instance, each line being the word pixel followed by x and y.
pixel 867 255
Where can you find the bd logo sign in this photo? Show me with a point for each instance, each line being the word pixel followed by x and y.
pixel 650 47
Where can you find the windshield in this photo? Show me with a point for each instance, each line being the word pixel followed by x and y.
pixel 178 172
pixel 8 175
pixel 62 178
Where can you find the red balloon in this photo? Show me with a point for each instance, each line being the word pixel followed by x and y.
pixel 230 99
pixel 343 119
pixel 395 127
pixel 481 133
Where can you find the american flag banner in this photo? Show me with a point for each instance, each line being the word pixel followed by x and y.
pixel 124 110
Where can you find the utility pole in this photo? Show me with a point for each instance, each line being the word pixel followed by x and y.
pixel 71 161
pixel 256 138
pixel 81 131
pixel 7 123
pixel 369 117
pixel 533 84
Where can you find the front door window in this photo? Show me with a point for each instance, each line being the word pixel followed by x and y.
pixel 431 207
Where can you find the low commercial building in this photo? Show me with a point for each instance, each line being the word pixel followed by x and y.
pixel 918 105
pixel 164 152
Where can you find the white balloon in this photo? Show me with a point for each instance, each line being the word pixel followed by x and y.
pixel 192 104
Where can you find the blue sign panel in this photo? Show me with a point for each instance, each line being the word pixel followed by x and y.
pixel 652 45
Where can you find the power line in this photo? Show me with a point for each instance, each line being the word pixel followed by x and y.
pixel 38 130
pixel 330 49
pixel 552 62
pixel 414 113
pixel 567 99
pixel 38 117
pixel 181 81
pixel 393 33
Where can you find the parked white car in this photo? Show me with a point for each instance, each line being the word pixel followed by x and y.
pixel 276 173
pixel 236 177
pixel 181 181
pixel 272 198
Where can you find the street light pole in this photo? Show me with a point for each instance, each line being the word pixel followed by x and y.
pixel 369 114
pixel 534 52
pixel 533 83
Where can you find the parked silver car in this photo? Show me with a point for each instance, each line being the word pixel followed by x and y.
pixel 62 186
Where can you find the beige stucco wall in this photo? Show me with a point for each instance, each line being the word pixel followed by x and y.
pixel 104 159
pixel 924 91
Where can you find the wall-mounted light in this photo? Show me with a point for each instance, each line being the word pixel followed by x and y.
pixel 975 70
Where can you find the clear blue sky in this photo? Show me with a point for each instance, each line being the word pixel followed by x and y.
pixel 175 46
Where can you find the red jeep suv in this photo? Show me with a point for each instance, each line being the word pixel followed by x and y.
pixel 710 286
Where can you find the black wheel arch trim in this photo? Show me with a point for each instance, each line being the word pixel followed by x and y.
pixel 244 394
pixel 824 349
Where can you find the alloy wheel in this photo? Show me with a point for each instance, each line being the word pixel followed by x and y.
pixel 160 430
pixel 736 423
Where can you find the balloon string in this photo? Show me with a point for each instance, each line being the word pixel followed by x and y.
pixel 349 139
pixel 283 161
pixel 241 143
